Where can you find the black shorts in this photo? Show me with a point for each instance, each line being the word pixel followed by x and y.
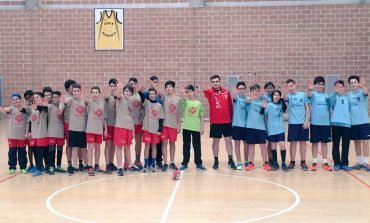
pixel 320 133
pixel 238 133
pixel 296 133
pixel 219 130
pixel 255 136
pixel 77 139
pixel 276 138
pixel 360 132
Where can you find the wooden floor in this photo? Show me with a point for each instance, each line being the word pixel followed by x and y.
pixel 211 196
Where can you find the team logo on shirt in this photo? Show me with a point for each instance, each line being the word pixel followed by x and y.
pixel 136 104
pixel 98 112
pixel 19 118
pixel 192 110
pixel 34 118
pixel 80 109
pixel 172 108
pixel 60 117
pixel 154 113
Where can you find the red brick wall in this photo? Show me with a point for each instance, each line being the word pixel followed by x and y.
pixel 46 47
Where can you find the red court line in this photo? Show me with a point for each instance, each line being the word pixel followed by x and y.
pixel 8 178
pixel 349 173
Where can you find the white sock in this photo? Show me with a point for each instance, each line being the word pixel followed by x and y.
pixel 365 160
pixel 359 159
pixel 314 160
pixel 324 161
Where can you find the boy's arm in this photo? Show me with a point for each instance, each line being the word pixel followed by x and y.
pixel 201 125
pixel 5 110
pixel 118 91
pixel 306 124
pixel 363 86
pixel 310 88
pixel 285 92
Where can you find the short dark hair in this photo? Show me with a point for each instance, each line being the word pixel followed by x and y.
pixel 39 93
pixel 57 93
pixel 254 87
pixel 95 88
pixel 152 89
pixel 273 92
pixel 214 77
pixel 75 85
pixel 290 81
pixel 112 81
pixel 28 93
pixel 339 82
pixel 172 83
pixel 68 83
pixel 354 77
pixel 16 94
pixel 190 87
pixel 269 83
pixel 128 87
pixel 47 89
pixel 240 83
pixel 319 79
pixel 133 79
pixel 153 78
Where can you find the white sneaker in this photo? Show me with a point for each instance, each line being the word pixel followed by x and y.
pixel 239 166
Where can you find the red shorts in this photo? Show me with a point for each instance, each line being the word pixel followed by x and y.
pixel 42 142
pixel 16 143
pixel 138 129
pixel 94 138
pixel 150 138
pixel 56 141
pixel 169 133
pixel 66 126
pixel 110 133
pixel 123 137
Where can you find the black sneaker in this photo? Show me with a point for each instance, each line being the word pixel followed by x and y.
pixel 164 167
pixel 304 167
pixel 274 166
pixel 215 165
pixel 284 167
pixel 120 172
pixel 231 165
pixel 183 167
pixel 70 171
pixel 98 169
pixel 201 167
pixel 113 167
pixel 291 166
pixel 76 170
pixel 81 167
pixel 108 169
pixel 160 165
pixel 173 166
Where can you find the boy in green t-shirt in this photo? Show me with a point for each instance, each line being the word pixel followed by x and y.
pixel 193 127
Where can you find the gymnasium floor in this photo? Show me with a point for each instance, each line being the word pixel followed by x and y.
pixel 211 196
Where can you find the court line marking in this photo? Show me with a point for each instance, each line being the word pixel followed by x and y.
pixel 170 202
pixel 10 177
pixel 348 172
pixel 294 193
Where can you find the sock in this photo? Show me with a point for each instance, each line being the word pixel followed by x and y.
pixel 274 155
pixel 153 161
pixel 69 163
pixel 293 162
pixel 365 160
pixel 324 161
pixel 359 159
pixel 80 162
pixel 96 165
pixel 303 161
pixel 216 159
pixel 230 158
pixel 137 158
pixel 314 160
pixel 283 155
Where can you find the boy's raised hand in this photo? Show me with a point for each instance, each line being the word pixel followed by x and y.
pixel 264 103
pixel 310 85
pixel 362 83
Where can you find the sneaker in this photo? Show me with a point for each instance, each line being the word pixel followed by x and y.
pixel 357 166
pixel 81 167
pixel 337 167
pixel 98 169
pixel 215 165
pixel 160 165
pixel 239 166
pixel 51 170
pixel 11 171
pixel 173 166
pixel 138 165
pixel 291 166
pixel 314 167
pixel 304 167
pixel 59 169
pixel 120 172
pixel 132 168
pixel 246 164
pixel 76 170
pixel 44 169
pixel 113 167
pixel 90 171
pixel 346 168
pixel 274 166
pixel 200 167
pixel 183 167
pixel 231 165
pixel 266 167
pixel 37 173
pixel 284 167
pixel 31 169
pixel 145 168
pixel 249 167
pixel 70 170
pixel 154 168
pixel 108 169
pixel 366 167
pixel 24 171
pixel 327 167
pixel 164 167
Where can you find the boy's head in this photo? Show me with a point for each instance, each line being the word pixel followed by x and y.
pixel 47 91
pixel 95 92
pixel 254 89
pixel 68 84
pixel 128 90
pixel 291 85
pixel 269 87
pixel 319 83
pixel 133 82
pixel 275 96
pixel 154 80
pixel 28 95
pixel 39 97
pixel 56 97
pixel 16 99
pixel 215 81
pixel 189 90
pixel 353 81
pixel 76 90
pixel 152 94
pixel 112 84
pixel 339 86
pixel 169 86
pixel 241 87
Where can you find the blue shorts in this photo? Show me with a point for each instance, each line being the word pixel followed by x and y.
pixel 297 133
pixel 255 136
pixel 238 133
pixel 360 132
pixel 276 138
pixel 320 133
